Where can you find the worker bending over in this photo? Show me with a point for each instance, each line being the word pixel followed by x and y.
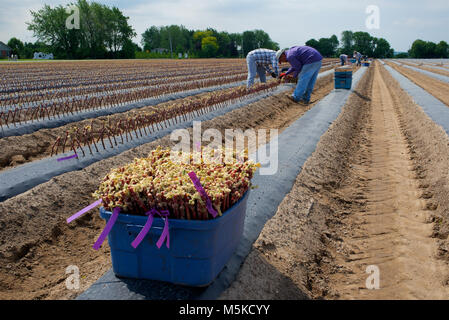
pixel 343 59
pixel 358 57
pixel 305 64
pixel 259 61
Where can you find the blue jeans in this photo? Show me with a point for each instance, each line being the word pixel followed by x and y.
pixel 254 68
pixel 306 81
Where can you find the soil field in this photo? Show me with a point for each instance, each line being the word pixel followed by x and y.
pixel 437 88
pixel 373 195
pixel 424 67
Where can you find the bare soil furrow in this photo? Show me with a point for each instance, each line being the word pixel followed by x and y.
pixel 437 88
pixel 395 223
pixel 378 186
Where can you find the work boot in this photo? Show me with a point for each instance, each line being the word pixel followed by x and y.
pixel 291 98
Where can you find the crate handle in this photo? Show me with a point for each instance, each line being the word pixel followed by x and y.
pixel 165 233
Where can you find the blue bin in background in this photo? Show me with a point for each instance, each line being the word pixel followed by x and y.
pixel 343 79
pixel 198 249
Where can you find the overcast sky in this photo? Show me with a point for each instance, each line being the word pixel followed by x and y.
pixel 288 22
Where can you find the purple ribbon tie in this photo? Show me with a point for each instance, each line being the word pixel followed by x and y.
pixel 107 229
pixel 202 192
pixel 165 233
pixel 68 158
pixel 86 209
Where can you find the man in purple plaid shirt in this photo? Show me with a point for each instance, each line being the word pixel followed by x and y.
pixel 259 61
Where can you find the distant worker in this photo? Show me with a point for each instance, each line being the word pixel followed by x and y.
pixel 305 64
pixel 259 61
pixel 343 59
pixel 358 57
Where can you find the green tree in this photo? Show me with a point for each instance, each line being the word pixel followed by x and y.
pixel 363 43
pixel 48 26
pixel 335 43
pixel 426 49
pixel 151 38
pixel 257 39
pixel 119 33
pixel 128 50
pixel 103 31
pixel 347 41
pixel 209 47
pixel 236 43
pixel 313 43
pixel 198 37
pixel 16 45
pixel 442 50
pixel 401 55
pixel 382 48
pixel 249 43
pixel 326 46
pixel 418 49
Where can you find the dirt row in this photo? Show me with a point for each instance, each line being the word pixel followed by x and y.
pixel 424 67
pixel 18 150
pixel 36 245
pixel 374 193
pixel 439 89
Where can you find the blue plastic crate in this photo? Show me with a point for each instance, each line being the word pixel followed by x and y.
pixel 198 249
pixel 343 83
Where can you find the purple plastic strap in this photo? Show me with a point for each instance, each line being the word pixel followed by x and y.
pixel 144 230
pixel 202 192
pixel 86 209
pixel 69 157
pixel 165 233
pixel 107 229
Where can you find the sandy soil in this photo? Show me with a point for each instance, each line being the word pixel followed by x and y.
pixel 373 193
pixel 424 67
pixel 291 258
pixel 435 87
pixel 393 229
pixel 36 245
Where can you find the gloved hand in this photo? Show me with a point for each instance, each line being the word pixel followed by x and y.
pixel 273 75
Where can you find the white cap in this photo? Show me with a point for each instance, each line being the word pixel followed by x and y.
pixel 279 54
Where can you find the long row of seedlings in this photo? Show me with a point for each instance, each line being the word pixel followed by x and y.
pixel 119 131
pixel 27 77
pixel 63 107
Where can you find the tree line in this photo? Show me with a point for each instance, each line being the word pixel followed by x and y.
pixel 104 32
pixel 205 43
pixel 427 50
pixel 359 41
